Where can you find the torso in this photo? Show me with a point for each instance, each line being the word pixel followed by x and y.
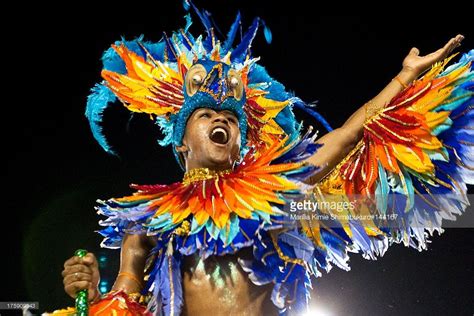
pixel 219 286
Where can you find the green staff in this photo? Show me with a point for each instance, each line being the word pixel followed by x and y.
pixel 82 307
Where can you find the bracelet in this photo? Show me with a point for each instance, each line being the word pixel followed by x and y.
pixel 131 277
pixel 400 82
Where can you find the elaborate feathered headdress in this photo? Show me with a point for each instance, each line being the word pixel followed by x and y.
pixel 172 78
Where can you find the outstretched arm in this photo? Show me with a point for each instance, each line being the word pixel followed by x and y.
pixel 342 140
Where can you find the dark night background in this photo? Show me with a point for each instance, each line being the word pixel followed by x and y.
pixel 55 170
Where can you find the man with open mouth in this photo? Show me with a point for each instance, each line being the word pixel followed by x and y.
pixel 219 242
pixel 211 140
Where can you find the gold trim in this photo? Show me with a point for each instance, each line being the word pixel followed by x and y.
pixel 184 229
pixel 201 174
pixel 285 257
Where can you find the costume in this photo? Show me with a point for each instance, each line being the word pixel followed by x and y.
pixel 413 162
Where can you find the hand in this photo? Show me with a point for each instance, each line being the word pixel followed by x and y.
pixel 416 64
pixel 80 274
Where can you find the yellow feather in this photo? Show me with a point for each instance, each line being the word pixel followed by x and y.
pixel 431 100
pixel 409 158
pixel 433 119
pixel 272 128
pixel 271 107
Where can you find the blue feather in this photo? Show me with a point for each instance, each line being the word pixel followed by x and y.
pixel 302 245
pixel 189 22
pixel 409 187
pixel 170 50
pixel 212 229
pixel 155 49
pixel 203 17
pixel 302 150
pixel 318 117
pixel 213 23
pixel 170 286
pixel 97 102
pixel 241 51
pixel 302 174
pixel 259 274
pixel 166 127
pixel 337 229
pixel 232 33
pixel 230 231
pixel 267 32
pixel 381 190
pixel 276 91
pixel 208 42
pixel 278 297
pixel 186 5
pixel 286 119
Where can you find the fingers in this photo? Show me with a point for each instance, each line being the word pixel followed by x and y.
pixel 76 268
pixel 73 288
pixel 444 51
pixel 451 45
pixel 456 41
pixel 72 261
pixel 414 51
pixel 77 277
pixel 90 259
pixel 78 274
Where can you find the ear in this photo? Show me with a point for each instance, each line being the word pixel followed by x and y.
pixel 182 149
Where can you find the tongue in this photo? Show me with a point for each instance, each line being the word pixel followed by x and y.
pixel 219 137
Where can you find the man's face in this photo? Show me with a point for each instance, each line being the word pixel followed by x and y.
pixel 211 140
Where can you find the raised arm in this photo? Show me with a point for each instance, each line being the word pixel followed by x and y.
pixel 342 140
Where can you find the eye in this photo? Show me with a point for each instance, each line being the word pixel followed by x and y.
pixel 205 114
pixel 232 119
pixel 194 79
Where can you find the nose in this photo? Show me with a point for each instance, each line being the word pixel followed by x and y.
pixel 220 118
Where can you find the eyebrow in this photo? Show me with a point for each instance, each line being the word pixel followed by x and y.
pixel 229 112
pixel 203 110
pixel 226 112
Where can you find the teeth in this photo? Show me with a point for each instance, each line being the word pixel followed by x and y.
pixel 219 129
pixel 219 135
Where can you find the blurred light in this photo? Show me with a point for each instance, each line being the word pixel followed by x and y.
pixel 104 286
pixel 102 262
pixel 317 311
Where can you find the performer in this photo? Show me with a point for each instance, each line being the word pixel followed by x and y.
pixel 221 240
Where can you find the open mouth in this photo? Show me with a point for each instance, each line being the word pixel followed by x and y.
pixel 219 135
